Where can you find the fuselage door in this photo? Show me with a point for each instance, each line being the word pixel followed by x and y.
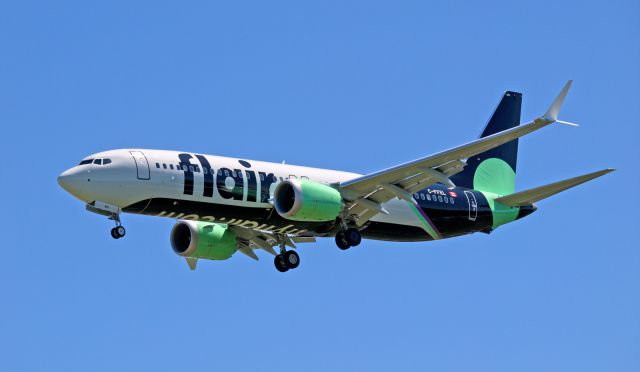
pixel 473 205
pixel 142 165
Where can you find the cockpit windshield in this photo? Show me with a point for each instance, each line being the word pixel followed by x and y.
pixel 96 161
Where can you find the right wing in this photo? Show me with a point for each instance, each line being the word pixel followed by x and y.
pixel 365 195
pixel 533 195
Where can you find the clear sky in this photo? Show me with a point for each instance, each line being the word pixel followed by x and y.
pixel 358 86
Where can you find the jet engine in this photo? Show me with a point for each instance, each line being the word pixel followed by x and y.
pixel 304 200
pixel 203 240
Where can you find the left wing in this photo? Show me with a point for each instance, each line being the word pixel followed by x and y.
pixel 365 195
pixel 248 240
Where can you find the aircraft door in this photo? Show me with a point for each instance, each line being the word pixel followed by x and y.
pixel 473 205
pixel 142 165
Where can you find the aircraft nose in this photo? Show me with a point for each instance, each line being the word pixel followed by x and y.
pixel 63 180
pixel 70 181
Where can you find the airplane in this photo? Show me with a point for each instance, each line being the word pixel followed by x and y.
pixel 226 205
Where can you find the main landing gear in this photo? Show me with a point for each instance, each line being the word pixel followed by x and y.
pixel 348 238
pixel 118 231
pixel 286 260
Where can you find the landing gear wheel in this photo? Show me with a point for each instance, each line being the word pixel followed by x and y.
pixel 291 259
pixel 352 236
pixel 341 241
pixel 118 232
pixel 280 264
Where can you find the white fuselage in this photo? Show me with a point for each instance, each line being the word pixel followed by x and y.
pixel 137 175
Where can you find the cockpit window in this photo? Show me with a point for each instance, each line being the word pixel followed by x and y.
pixel 96 161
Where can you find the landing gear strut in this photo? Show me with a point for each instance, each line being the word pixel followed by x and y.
pixel 348 238
pixel 286 260
pixel 118 231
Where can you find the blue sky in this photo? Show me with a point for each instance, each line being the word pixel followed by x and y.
pixel 358 86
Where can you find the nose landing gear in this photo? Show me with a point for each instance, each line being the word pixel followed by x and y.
pixel 118 231
pixel 112 212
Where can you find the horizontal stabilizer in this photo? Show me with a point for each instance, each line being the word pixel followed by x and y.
pixel 533 195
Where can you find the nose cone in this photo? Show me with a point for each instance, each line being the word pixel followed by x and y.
pixel 70 181
pixel 63 180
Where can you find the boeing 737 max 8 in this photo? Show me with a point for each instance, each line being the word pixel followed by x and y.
pixel 225 205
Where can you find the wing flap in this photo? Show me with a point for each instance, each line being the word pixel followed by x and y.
pixel 533 195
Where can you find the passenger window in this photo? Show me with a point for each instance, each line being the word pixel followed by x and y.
pixel 416 196
pixel 226 173
pixel 446 200
pixel 261 177
pixel 191 168
pixel 184 167
pixel 422 197
pixel 157 165
pixel 204 170
pixel 171 166
pixel 233 173
pixel 440 198
pixel 106 161
pixel 451 200
pixel 428 197
pixel 164 165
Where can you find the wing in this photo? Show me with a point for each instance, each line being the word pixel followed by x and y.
pixel 536 194
pixel 365 195
pixel 248 240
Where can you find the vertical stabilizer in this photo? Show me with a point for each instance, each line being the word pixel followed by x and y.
pixel 494 170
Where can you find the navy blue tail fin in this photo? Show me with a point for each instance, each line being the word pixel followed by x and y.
pixel 494 170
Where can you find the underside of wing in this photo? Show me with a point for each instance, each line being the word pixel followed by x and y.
pixel 249 240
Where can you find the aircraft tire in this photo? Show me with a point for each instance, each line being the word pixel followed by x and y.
pixel 352 236
pixel 114 234
pixel 291 259
pixel 120 231
pixel 281 266
pixel 341 242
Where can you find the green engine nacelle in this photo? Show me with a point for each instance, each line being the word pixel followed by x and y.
pixel 203 240
pixel 304 200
